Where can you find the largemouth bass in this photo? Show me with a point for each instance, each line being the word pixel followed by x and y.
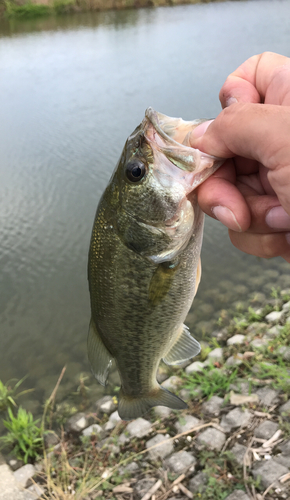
pixel 144 261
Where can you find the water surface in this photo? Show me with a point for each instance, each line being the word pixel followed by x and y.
pixel 72 89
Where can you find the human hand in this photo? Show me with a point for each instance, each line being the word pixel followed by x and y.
pixel 250 193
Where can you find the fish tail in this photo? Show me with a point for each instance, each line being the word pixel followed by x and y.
pixel 131 407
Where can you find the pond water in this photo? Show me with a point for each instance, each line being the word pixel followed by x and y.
pixel 72 88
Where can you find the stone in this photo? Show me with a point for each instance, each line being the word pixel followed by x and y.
pixel 212 407
pixel 284 410
pixel 286 354
pixel 139 428
pixel 283 460
pixel 185 394
pixel 266 429
pixel 142 486
pixel 267 396
pixel 180 462
pixel 242 386
pixel 186 422
pixel 123 439
pixel 36 490
pixel 243 399
pixel 211 438
pixel 107 404
pixel 50 439
pixel 236 339
pixel 268 471
pixel 274 316
pixel 239 450
pixel 257 327
pixel 24 474
pixel 114 419
pixel 286 306
pixel 198 483
pixel 10 489
pixel 76 423
pixel 238 495
pixel 236 418
pixel 162 411
pixel 14 463
pixel 195 367
pixel 285 447
pixel 161 451
pixel 129 469
pixel 274 331
pixel 172 383
pixel 236 360
pixel 92 429
pixel 259 343
pixel 215 355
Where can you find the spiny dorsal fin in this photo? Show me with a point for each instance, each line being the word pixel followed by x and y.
pixel 184 348
pixel 99 356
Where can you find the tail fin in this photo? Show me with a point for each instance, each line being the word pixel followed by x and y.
pixel 134 407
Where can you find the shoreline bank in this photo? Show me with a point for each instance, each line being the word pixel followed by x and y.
pixel 232 443
pixel 37 8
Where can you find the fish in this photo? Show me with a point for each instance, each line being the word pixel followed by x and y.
pixel 144 261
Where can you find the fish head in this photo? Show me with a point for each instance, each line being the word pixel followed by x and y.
pixel 155 179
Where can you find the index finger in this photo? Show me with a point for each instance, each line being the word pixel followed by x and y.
pixel 257 81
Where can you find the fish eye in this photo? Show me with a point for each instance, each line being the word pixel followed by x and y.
pixel 135 170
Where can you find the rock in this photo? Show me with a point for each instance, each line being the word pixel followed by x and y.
pixel 10 489
pixel 123 439
pixel 24 474
pixel 212 407
pixel 14 463
pixel 238 495
pixel 197 366
pixel 36 490
pixel 285 448
pixel 162 411
pixel 283 460
pixel 236 418
pixel 161 451
pixel 268 471
pixel 266 429
pixel 114 419
pixel 106 404
pixel 76 423
pixel 236 360
pixel 139 428
pixel 284 410
pixel 257 327
pixel 286 306
pixel 50 439
pixel 198 483
pixel 242 399
pixel 274 316
pixel 92 429
pixel 215 355
pixel 211 438
pixel 130 468
pixel 172 383
pixel 179 462
pixel 242 386
pixel 286 354
pixel 236 339
pixel 186 422
pixel 259 343
pixel 274 331
pixel 239 450
pixel 142 486
pixel 267 396
pixel 185 394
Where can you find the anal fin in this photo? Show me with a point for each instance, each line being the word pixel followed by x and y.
pixel 99 357
pixel 184 348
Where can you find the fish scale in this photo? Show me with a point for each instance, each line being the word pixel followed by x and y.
pixel 144 262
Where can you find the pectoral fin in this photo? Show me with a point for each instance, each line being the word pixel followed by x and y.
pixel 99 356
pixel 185 347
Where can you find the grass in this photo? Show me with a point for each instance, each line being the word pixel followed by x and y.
pixel 210 381
pixel 27 10
pixel 8 394
pixel 24 435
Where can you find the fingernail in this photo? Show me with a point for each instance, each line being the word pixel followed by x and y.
pixel 231 100
pixel 226 216
pixel 277 218
pixel 200 129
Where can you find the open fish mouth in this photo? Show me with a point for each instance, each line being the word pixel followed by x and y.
pixel 168 138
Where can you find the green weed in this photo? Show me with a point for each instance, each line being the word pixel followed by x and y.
pixel 27 10
pixel 8 394
pixel 211 381
pixel 277 372
pixel 23 434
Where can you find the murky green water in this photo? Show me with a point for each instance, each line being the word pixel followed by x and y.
pixel 71 90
